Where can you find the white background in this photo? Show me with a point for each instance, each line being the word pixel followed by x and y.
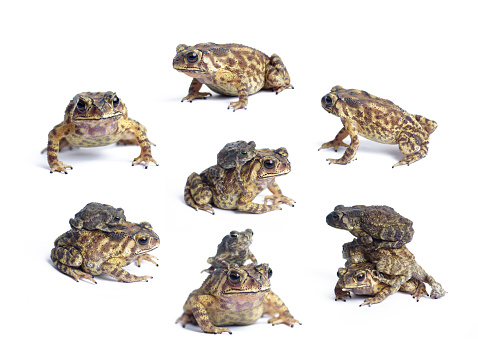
pixel 420 55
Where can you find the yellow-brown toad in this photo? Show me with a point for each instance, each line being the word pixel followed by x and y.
pixel 95 120
pixel 230 69
pixel 376 119
pixel 83 254
pixel 235 296
pixel 395 266
pixel 233 250
pixel 363 279
pixel 201 191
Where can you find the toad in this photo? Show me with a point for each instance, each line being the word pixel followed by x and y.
pixel 376 119
pixel 363 279
pixel 230 69
pixel 82 254
pixel 374 226
pixel 95 120
pixel 233 156
pixel 98 216
pixel 235 296
pixel 233 250
pixel 258 174
pixel 395 267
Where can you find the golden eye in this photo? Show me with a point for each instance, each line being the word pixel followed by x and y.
pixel 269 164
pixel 192 57
pixel 360 277
pixel 234 277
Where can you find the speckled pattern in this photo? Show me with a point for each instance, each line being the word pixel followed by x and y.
pixel 233 249
pixel 376 119
pixel 234 296
pixel 94 120
pixel 363 279
pixel 258 174
pixel 374 226
pixel 230 69
pixel 98 216
pixel 82 254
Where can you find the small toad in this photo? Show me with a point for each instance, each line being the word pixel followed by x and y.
pixel 233 156
pixel 82 254
pixel 376 119
pixel 374 226
pixel 230 69
pixel 233 251
pixel 201 191
pixel 363 279
pixel 95 120
pixel 235 296
pixel 98 216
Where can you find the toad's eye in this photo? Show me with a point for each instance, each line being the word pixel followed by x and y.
pixel 328 100
pixel 143 241
pixel 233 234
pixel 81 105
pixel 116 101
pixel 335 217
pixel 234 277
pixel 269 273
pixel 117 218
pixel 269 164
pixel 360 277
pixel 192 57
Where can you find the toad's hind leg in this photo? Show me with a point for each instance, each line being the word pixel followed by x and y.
pixel 427 124
pixel 67 261
pixel 277 77
pixel 197 194
pixel 237 172
pixel 414 146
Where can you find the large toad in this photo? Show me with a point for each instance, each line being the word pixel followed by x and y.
pixel 363 279
pixel 83 254
pixel 95 120
pixel 201 191
pixel 230 69
pixel 235 296
pixel 376 119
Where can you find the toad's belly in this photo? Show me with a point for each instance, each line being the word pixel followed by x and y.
pixel 231 90
pixel 235 317
pixel 95 133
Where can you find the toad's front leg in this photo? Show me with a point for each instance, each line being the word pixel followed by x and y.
pixel 197 306
pixel 379 297
pixel 243 96
pixel 139 132
pixel 351 150
pixel 53 147
pixel 194 92
pixel 277 197
pixel 112 267
pixel 273 305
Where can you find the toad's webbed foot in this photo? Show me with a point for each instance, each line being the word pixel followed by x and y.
pixel 198 95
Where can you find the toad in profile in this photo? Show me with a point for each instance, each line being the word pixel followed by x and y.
pixel 376 119
pixel 95 120
pixel 201 190
pixel 230 69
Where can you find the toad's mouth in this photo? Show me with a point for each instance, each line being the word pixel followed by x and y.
pixel 143 251
pixel 115 116
pixel 247 292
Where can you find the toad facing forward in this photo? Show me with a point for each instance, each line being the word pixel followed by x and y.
pixel 95 120
pixel 376 119
pixel 202 191
pixel 235 296
pixel 230 69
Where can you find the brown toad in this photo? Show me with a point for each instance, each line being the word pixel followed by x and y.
pixel 233 250
pixel 374 226
pixel 235 296
pixel 83 254
pixel 363 279
pixel 97 216
pixel 258 174
pixel 233 156
pixel 230 69
pixel 395 266
pixel 376 119
pixel 94 120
